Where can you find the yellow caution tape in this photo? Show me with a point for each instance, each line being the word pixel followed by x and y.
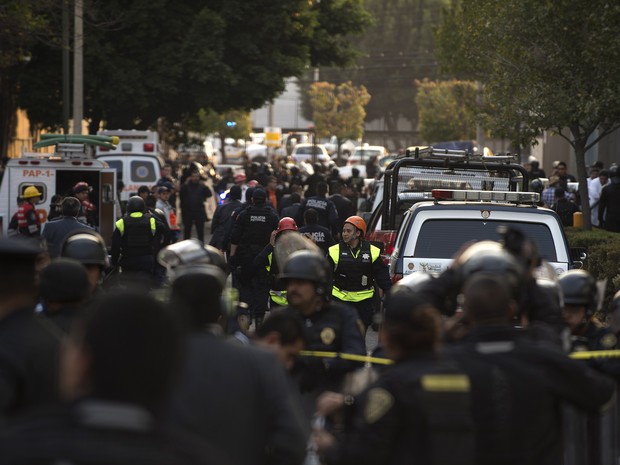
pixel 353 357
pixel 584 355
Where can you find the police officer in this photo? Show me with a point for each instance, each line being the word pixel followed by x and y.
pixel 28 223
pixel 247 411
pixel 118 366
pixel 580 303
pixel 267 260
pixel 63 289
pixel 419 408
pixel 134 239
pixel 357 268
pixel 28 347
pixel 56 230
pixel 328 215
pixel 609 203
pixel 514 379
pixel 250 234
pixel 330 326
pixel 321 236
pixel 222 218
pixel 88 248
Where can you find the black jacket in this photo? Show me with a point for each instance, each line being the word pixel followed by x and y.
pixel 236 396
pixel 97 432
pixel 29 346
pixel 54 232
pixel 402 419
pixel 193 197
pixel 221 223
pixel 609 207
pixel 517 389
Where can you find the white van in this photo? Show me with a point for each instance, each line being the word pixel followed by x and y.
pixel 57 173
pixel 135 159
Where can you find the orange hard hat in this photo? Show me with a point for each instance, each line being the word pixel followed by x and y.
pixel 286 224
pixel 358 222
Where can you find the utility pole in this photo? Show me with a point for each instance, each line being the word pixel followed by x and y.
pixel 78 68
pixel 66 68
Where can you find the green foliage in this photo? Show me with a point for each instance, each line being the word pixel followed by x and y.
pixel 603 256
pixel 397 49
pixel 447 110
pixel 211 122
pixel 171 58
pixel 338 109
pixel 546 65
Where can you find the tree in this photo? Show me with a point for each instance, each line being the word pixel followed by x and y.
pixel 22 22
pixel 172 58
pixel 338 110
pixel 550 65
pixel 397 49
pixel 447 110
pixel 236 124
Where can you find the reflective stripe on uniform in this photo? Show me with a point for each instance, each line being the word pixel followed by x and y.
pixel 278 297
pixel 357 296
pixel 268 265
pixel 334 253
pixel 120 224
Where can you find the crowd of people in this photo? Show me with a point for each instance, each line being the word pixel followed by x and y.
pixel 254 348
pixel 564 199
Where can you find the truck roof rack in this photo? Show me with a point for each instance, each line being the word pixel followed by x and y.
pixel 73 145
pixel 425 168
pixel 463 155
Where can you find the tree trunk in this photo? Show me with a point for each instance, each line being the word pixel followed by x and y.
pixel 8 108
pixel 223 148
pixel 579 145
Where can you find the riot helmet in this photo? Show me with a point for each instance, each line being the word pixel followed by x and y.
pixel 579 288
pixel 135 204
pixel 311 266
pixel 491 258
pixel 87 247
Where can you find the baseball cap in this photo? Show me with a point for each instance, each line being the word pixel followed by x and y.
pixel 259 194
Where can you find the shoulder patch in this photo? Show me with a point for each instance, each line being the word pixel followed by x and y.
pixel 378 403
pixel 609 341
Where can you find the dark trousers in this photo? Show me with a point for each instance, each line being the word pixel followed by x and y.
pixel 254 291
pixel 188 221
pixel 365 309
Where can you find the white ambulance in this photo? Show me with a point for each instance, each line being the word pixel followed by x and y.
pixel 57 173
pixel 135 158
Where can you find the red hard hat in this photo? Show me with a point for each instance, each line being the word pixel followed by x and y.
pixel 358 222
pixel 239 177
pixel 286 224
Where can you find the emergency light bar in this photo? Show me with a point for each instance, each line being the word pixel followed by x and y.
pixel 486 196
pixel 447 154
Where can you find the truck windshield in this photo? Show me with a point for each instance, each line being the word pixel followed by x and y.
pixel 443 238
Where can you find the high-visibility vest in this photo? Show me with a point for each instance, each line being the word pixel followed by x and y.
pixel 278 296
pixel 353 278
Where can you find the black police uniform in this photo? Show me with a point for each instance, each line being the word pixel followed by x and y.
pixel 320 235
pixel 221 223
pixel 417 412
pixel 355 273
pixel 326 210
pixel 517 387
pixel 97 432
pixel 29 348
pixel 251 233
pixel 344 207
pixel 266 261
pixel 134 241
pixel 335 328
pixel 596 336
pixel 237 397
pixel 193 197
pixel 54 232
pixel 609 206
